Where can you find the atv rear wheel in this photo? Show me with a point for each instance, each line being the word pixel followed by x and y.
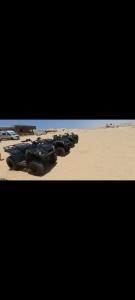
pixel 60 151
pixel 36 168
pixel 12 163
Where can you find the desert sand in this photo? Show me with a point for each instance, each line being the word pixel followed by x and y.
pixel 101 154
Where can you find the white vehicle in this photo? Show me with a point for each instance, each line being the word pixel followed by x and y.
pixel 9 135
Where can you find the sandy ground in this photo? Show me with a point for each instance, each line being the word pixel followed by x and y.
pixel 101 154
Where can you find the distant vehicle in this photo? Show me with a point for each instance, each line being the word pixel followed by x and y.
pixel 9 135
pixel 109 125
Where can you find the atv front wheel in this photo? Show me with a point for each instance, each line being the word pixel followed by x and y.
pixel 36 168
pixel 60 151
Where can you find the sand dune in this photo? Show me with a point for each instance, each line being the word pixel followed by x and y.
pixel 101 154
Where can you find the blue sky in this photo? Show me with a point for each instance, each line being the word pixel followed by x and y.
pixel 63 123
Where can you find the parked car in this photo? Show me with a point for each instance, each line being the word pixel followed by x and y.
pixel 9 135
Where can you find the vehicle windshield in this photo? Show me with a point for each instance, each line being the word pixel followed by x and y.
pixel 11 132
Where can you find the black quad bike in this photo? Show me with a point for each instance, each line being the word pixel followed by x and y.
pixel 65 142
pixel 61 144
pixel 33 158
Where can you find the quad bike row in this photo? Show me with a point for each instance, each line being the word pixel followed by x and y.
pixel 39 156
